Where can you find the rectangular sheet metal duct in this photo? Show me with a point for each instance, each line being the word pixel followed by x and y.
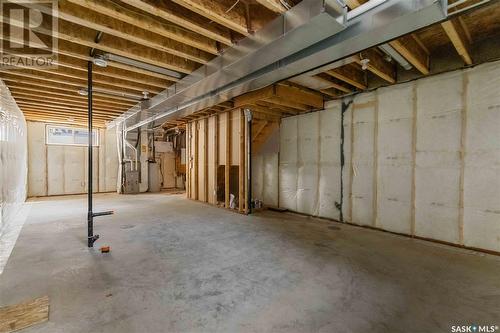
pixel 312 34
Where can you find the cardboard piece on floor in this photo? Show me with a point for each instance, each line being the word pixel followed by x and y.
pixel 16 317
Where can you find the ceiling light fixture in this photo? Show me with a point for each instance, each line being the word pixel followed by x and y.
pixel 391 52
pixel 364 63
pixel 83 92
pixel 100 60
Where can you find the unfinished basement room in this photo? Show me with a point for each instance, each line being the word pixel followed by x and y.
pixel 250 166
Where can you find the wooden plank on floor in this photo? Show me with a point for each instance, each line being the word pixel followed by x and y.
pixel 17 317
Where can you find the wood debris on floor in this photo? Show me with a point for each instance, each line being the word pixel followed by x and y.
pixel 17 317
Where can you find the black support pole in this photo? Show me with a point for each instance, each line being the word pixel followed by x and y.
pixel 91 238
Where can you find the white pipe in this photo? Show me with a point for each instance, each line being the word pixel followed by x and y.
pixel 131 147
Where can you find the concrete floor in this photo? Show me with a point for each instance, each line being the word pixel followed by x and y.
pixel 183 266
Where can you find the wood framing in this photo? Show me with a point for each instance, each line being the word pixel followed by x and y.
pixel 223 12
pixel 456 32
pixel 218 140
pixel 196 152
pixel 242 165
pixel 411 51
pixel 377 65
pixel 227 167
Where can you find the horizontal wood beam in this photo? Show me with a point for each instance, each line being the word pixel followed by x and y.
pixel 273 5
pixel 113 73
pixel 67 107
pixel 412 52
pixel 174 32
pixel 332 84
pixel 30 111
pixel 85 36
pixel 282 95
pixel 99 22
pixel 82 52
pixel 82 76
pixel 60 101
pixel 297 95
pixel 280 101
pixel 458 37
pixel 350 75
pixel 53 90
pixel 54 78
pixel 377 65
pixel 182 19
pixel 223 12
pixel 77 122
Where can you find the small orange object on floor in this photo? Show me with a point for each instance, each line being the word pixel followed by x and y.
pixel 105 249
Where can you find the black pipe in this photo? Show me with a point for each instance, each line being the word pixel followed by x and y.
pixel 91 238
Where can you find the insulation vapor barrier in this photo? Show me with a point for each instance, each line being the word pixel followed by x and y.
pixel 420 158
pixel 62 169
pixel 13 158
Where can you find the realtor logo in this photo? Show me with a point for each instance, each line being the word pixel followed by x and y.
pixel 28 33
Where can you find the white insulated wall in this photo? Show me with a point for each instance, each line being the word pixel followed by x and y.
pixel 421 158
pixel 60 170
pixel 13 165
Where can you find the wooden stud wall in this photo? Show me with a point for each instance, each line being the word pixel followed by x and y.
pixel 212 142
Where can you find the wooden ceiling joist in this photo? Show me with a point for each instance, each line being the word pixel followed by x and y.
pixel 97 110
pixel 224 12
pixel 66 97
pixel 49 90
pixel 55 78
pixel 80 65
pixel 78 75
pixel 350 75
pixel 377 65
pixel 332 84
pixel 458 36
pixel 174 32
pixel 292 97
pixel 48 101
pixel 34 113
pixel 81 52
pixel 176 16
pixel 57 120
pixel 412 52
pixel 273 5
pixel 85 36
pixel 99 22
pixel 407 46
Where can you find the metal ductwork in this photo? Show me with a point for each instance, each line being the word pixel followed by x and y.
pixel 312 34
